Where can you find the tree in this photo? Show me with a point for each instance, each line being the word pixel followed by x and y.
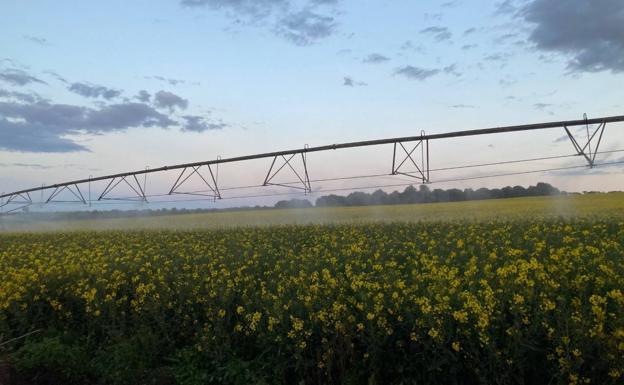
pixel 293 204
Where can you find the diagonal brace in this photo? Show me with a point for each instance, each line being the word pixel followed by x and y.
pixel 20 200
pixel 75 192
pixel 422 170
pixel 304 177
pixel 183 177
pixel 586 150
pixel 116 181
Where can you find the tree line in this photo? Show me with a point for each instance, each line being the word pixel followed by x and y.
pixel 422 194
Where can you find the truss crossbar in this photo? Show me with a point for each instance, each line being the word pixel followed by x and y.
pixel 587 151
pixel 303 177
pixel 116 181
pixel 422 170
pixel 213 191
pixel 75 191
pixel 15 202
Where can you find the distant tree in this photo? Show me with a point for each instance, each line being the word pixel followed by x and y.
pixel 358 198
pixel 483 193
pixel 394 198
pixel 331 201
pixel 518 191
pixel 546 189
pixel 456 195
pixel 440 195
pixel 293 204
pixel 410 195
pixel 425 193
pixel 379 197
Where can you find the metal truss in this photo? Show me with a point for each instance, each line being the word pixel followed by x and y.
pixel 422 168
pixel 73 189
pixel 302 175
pixel 15 202
pixel 138 190
pixel 587 151
pixel 213 189
pixel 410 157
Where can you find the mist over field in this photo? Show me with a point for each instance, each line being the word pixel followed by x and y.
pixel 611 204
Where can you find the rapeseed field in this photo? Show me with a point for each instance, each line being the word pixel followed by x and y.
pixel 532 300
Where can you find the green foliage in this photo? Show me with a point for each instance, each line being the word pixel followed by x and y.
pixel 53 357
pixel 127 362
pixel 192 367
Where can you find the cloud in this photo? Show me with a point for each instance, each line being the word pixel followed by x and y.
pixel 170 81
pixel 541 106
pixel 44 126
pixel 35 166
pixel 29 97
pixel 56 76
pixel 305 27
pixel 452 70
pixel 143 96
pixel 590 33
pixel 17 77
pixel 37 40
pixel 416 73
pixel 169 100
pixel 432 16
pixel 93 91
pixel 438 33
pixel 507 81
pixel 297 21
pixel 450 4
pixel 499 57
pixel 196 123
pixel 349 82
pixel 468 46
pixel 506 36
pixel 560 139
pixel 249 8
pixel 375 58
pixel 25 137
pixel 509 7
pixel 68 118
pixel 470 31
pixel 462 106
pixel 410 46
pixel 116 117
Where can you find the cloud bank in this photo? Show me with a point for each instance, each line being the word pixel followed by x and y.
pixel 590 33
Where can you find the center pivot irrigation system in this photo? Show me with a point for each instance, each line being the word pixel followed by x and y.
pixel 408 152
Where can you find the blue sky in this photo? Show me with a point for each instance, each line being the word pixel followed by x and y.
pixel 232 77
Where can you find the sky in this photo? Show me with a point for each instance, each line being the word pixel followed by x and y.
pixel 93 88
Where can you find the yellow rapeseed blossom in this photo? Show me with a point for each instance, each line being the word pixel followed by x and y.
pixel 330 294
